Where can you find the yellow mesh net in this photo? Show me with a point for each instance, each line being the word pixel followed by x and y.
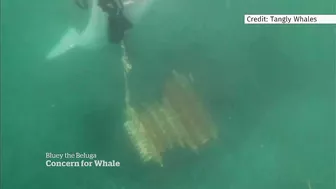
pixel 179 119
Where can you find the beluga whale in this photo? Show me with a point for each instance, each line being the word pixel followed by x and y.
pixel 92 37
pixel 95 34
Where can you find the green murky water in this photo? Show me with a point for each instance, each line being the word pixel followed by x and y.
pixel 271 89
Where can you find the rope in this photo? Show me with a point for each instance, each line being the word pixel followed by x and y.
pixel 127 68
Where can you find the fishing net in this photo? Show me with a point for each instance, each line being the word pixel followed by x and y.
pixel 177 120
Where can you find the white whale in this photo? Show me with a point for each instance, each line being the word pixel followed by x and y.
pixel 93 36
pixel 95 33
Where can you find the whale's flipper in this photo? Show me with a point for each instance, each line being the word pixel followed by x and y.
pixel 67 42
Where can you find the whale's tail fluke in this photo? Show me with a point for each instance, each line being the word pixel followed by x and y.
pixel 67 42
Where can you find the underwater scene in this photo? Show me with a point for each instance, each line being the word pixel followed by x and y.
pixel 167 94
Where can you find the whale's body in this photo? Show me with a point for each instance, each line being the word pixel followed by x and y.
pixel 93 36
pixel 95 33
